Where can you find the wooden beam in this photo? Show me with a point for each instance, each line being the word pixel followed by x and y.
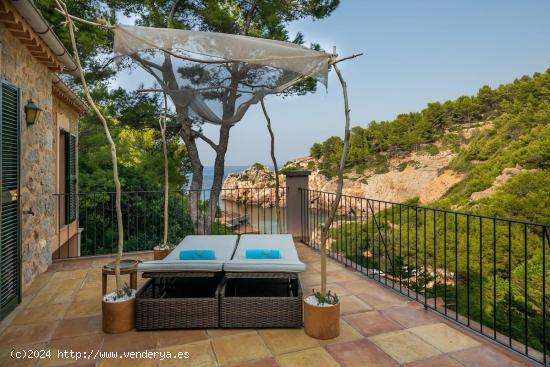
pixel 21 30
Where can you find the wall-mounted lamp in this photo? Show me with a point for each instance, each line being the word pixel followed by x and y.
pixel 32 111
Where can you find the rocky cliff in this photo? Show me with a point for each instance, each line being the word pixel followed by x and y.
pixel 415 175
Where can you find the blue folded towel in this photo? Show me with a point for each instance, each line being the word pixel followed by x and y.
pixel 259 253
pixel 197 255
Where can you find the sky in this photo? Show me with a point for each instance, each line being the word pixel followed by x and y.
pixel 415 52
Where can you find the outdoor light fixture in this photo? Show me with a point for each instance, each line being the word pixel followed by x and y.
pixel 32 111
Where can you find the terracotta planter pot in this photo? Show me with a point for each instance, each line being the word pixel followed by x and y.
pixel 119 317
pixel 322 322
pixel 159 254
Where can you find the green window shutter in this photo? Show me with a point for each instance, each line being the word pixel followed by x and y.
pixel 70 178
pixel 10 249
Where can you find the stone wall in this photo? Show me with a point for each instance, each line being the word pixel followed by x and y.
pixel 38 155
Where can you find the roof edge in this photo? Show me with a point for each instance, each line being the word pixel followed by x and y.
pixel 42 28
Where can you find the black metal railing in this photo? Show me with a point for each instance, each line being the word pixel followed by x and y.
pixel 488 274
pixel 243 210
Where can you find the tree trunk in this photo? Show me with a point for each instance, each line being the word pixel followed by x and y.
pixel 275 167
pixel 326 226
pixel 195 187
pixel 217 182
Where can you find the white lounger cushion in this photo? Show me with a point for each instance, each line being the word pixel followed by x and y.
pixel 223 245
pixel 288 263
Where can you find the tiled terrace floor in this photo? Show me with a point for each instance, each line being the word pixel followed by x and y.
pixel 61 310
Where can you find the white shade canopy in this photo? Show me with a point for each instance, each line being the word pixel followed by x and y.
pixel 217 76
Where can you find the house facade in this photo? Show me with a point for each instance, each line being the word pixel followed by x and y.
pixel 39 211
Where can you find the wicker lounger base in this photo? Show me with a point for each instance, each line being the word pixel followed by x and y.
pixel 175 313
pixel 261 311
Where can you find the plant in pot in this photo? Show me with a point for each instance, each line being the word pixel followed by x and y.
pixel 119 310
pixel 117 307
pixel 162 250
pixel 322 309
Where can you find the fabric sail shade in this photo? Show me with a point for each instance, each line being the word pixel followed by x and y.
pixel 216 77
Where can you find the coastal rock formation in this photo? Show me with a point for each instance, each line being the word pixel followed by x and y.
pixel 254 185
pixel 416 175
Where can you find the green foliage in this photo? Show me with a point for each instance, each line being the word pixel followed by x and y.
pixel 327 299
pixel 516 110
pixel 94 43
pixel 258 166
pixel 476 274
pixel 401 166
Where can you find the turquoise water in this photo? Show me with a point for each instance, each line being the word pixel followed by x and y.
pixel 208 174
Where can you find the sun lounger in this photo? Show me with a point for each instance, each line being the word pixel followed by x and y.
pixel 262 293
pixel 222 245
pixel 287 263
pixel 184 293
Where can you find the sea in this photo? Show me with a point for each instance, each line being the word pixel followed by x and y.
pixel 208 174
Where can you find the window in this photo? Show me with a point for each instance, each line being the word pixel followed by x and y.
pixel 69 147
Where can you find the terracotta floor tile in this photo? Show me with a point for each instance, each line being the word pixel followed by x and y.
pixel 404 347
pixel 360 353
pixel 437 361
pixel 316 357
pixel 309 280
pixel 200 355
pixel 239 348
pixel 70 274
pixel 75 286
pixel 266 362
pixel 130 341
pixel 83 309
pixel 89 293
pixel 41 314
pixel 178 337
pixel 352 304
pixel 77 327
pixel 383 299
pixel 344 275
pixel 51 296
pixel 411 317
pixel 361 286
pixel 331 266
pixel 127 362
pixel 80 344
pixel 218 333
pixel 444 337
pixel 281 341
pixel 371 323
pixel 27 334
pixel 487 356
pixel 347 333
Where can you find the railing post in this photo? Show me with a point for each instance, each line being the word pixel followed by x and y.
pixel 295 181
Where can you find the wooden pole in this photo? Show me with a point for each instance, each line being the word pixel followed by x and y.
pixel 275 167
pixel 118 191
pixel 340 182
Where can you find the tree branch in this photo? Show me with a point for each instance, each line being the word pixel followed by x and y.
pixel 207 140
pixel 346 58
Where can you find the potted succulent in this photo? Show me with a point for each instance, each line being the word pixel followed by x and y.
pixel 322 309
pixel 322 315
pixel 162 250
pixel 119 310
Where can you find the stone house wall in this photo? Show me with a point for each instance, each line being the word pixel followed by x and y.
pixel 38 153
